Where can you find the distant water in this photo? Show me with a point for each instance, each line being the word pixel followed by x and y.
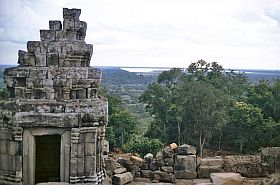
pixel 143 69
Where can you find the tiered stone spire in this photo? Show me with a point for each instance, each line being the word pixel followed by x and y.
pixel 55 90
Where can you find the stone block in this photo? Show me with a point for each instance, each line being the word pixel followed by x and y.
pixel 94 73
pixel 12 163
pixel 90 137
pixel 55 25
pixel 71 13
pixel 18 161
pixel 73 94
pixel 89 49
pixel 4 161
pixel 59 34
pixel 81 149
pixel 90 149
pixel 153 166
pixel 120 179
pixel 120 170
pixel 29 59
pixel 145 166
pixel 137 160
pixel 37 83
pixel 20 82
pixel 271 159
pixel 148 157
pixel 146 173
pixel 81 33
pixel 246 165
pixel 47 35
pixel 185 174
pixel 226 178
pixel 33 46
pixel 81 94
pixel 168 161
pixel 19 92
pixel 70 33
pixel 211 161
pixel 39 73
pixel 173 146
pixel 185 166
pixel 110 164
pixel 13 147
pixel 186 150
pixel 129 165
pixel 159 159
pixel 55 47
pixel 73 167
pixel 21 56
pixel 40 60
pixel 76 73
pixel 90 165
pixel 126 163
pixel 168 152
pixel 39 93
pixel 168 169
pixel 9 81
pixel 205 171
pixel 52 59
pixel 185 163
pixel 3 146
pixel 164 177
pixel 271 151
pixel 80 166
pixel 44 47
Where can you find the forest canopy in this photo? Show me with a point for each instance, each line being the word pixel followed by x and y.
pixel 209 107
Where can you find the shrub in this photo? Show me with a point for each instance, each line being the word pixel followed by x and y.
pixel 4 93
pixel 143 145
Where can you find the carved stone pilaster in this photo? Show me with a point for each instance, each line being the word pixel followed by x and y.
pixel 17 132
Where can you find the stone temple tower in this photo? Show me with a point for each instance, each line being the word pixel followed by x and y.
pixel 52 125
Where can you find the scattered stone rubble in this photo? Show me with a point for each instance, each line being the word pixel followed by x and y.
pixel 53 91
pixel 246 165
pixel 180 162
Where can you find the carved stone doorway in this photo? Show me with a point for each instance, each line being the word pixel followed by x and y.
pixel 60 139
pixel 47 165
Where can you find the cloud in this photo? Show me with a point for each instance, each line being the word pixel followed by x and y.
pixel 237 34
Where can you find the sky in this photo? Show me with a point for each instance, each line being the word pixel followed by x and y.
pixel 238 34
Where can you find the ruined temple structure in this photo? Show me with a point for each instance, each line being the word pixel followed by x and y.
pixel 52 125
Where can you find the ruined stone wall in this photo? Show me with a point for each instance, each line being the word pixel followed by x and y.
pixel 54 87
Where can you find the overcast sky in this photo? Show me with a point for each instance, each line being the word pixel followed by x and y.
pixel 166 33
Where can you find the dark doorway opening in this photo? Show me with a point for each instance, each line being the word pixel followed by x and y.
pixel 47 158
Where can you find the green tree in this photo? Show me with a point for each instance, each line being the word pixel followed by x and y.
pixel 159 101
pixel 121 124
pixel 200 67
pixel 203 109
pixel 247 122
pixel 266 96
pixel 170 78
pixel 124 126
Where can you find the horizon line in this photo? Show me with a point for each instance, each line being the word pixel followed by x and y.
pixel 157 67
